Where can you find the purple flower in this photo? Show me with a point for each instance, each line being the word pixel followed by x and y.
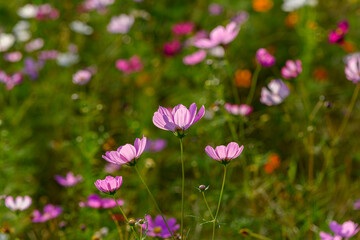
pixel 275 93
pixel 219 35
pixel 120 24
pixel 50 212
pixel 19 204
pixel 346 230
pixel 171 48
pixel 109 184
pixel 127 154
pixel 129 66
pixel 195 58
pixel 81 77
pixel 158 227
pixel 94 201
pixel 111 168
pixel 155 145
pixel 243 109
pixel 352 69
pixel 264 58
pixel 48 55
pixel 241 17
pixel 292 69
pixel 68 181
pixel 356 205
pixel 224 154
pixel 179 119
pixel 183 28
pixel 32 68
pixel 215 9
pixel 338 35
pixel 13 56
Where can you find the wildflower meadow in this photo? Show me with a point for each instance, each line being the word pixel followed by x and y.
pixel 192 120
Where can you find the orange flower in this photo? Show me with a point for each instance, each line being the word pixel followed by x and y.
pixel 291 19
pixel 348 46
pixel 262 5
pixel 272 164
pixel 109 144
pixel 243 78
pixel 320 74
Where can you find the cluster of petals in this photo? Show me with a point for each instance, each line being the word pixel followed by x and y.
pixel 10 80
pixel 264 58
pixel 275 93
pixel 127 154
pixel 292 69
pixel 346 230
pixel 50 212
pixel 352 69
pixel 82 77
pixel 95 201
pixel 18 204
pixel 69 180
pixel 219 35
pixel 183 28
pixel 242 109
pixel 158 228
pixel 195 58
pixel 171 48
pixel 338 35
pixel 179 118
pixel 120 24
pixel 109 184
pixel 129 66
pixel 224 154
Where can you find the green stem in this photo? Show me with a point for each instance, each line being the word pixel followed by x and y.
pixel 232 83
pixel 207 205
pixel 127 221
pixel 218 207
pixel 253 85
pixel 182 188
pixel 154 200
pixel 117 225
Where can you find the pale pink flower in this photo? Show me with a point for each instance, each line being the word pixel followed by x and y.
pixel 352 69
pixel 13 56
pixel 243 109
pixel 195 58
pixel 19 204
pixel 69 180
pixel 120 24
pixel 82 77
pixel 292 69
pixel 109 184
pixel 224 154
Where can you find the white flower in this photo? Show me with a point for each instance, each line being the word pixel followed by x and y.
pixel 67 59
pixel 27 11
pixel 6 41
pixel 80 27
pixel 21 31
pixel 292 5
pixel 217 51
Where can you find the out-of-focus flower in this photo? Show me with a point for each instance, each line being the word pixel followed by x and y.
pixel 219 35
pixel 34 45
pixel 81 77
pixel 291 19
pixel 348 46
pixel 272 164
pixel 194 58
pixel 356 205
pixel 346 230
pixel 224 154
pixel 69 180
pixel 6 41
pixel 27 11
pixel 179 119
pixel 10 80
pixel 156 145
pixel 171 48
pixel 217 51
pixel 111 168
pixel 21 31
pixel 67 59
pixel 81 27
pixel 243 109
pixel 94 201
pixel 120 24
pixel 275 93
pixel 352 69
pixel 243 78
pixel 292 5
pixel 183 28
pixel 109 184
pixel 292 69
pixel 264 58
pixel 127 154
pixel 50 212
pixel 46 11
pixel 13 56
pixel 240 17
pixel 320 74
pixel 18 204
pixel 48 55
pixel 338 35
pixel 99 5
pixel 262 5
pixel 129 66
pixel 32 68
pixel 158 227
pixel 215 9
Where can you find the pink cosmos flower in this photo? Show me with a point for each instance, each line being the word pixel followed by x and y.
pixel 50 212
pixel 48 55
pixel 81 77
pixel 346 230
pixel 111 168
pixel 46 11
pixel 127 154
pixel 179 119
pixel 219 35
pixel 356 205
pixel 120 24
pixel 183 28
pixel 264 58
pixel 243 109
pixel 19 204
pixel 94 201
pixel 275 93
pixel 13 56
pixel 109 184
pixel 215 9
pixel 69 180
pixel 10 80
pixel 171 48
pixel 338 35
pixel 292 69
pixel 158 227
pixel 224 154
pixel 195 58
pixel 129 66
pixel 34 45
pixel 352 69
pixel 156 145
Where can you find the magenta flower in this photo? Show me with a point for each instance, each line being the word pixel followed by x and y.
pixel 264 58
pixel 127 154
pixel 94 201
pixel 179 119
pixel 275 93
pixel 109 184
pixel 158 227
pixel 120 24
pixel 338 35
pixel 171 48
pixel 243 109
pixel 224 154
pixel 19 204
pixel 292 69
pixel 219 35
pixel 129 66
pixel 155 145
pixel 81 77
pixel 50 212
pixel 69 180
pixel 346 230
pixel 352 69
pixel 183 28
pixel 195 58
pixel 10 80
